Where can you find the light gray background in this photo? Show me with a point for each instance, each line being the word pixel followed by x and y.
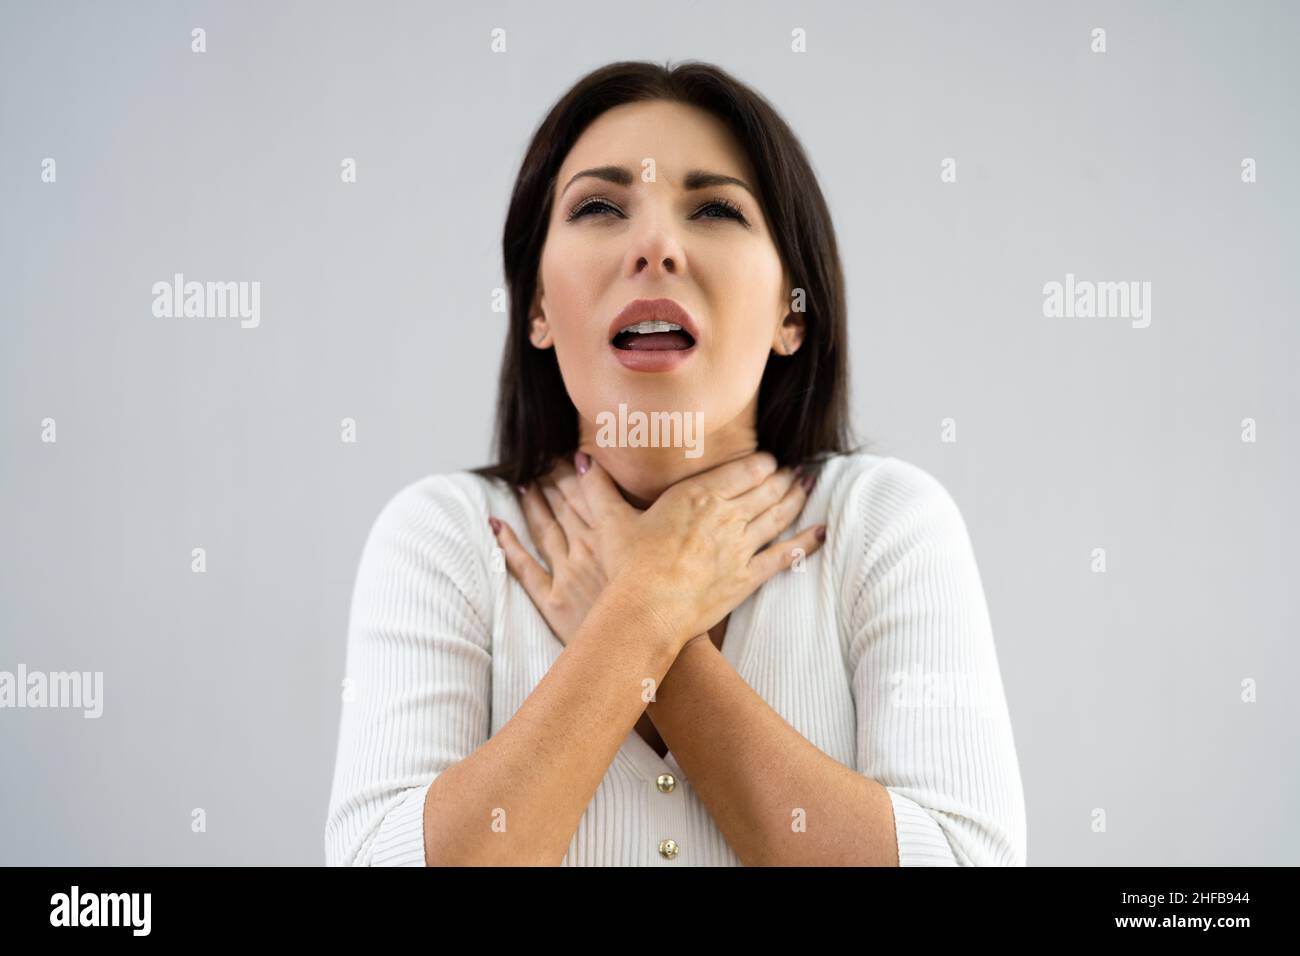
pixel 222 690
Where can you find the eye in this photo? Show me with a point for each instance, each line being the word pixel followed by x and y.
pixel 729 210
pixel 583 207
pixel 726 208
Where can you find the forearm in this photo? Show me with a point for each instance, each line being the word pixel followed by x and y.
pixel 777 798
pixel 518 798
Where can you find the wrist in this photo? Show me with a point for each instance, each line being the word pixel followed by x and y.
pixel 657 616
pixel 694 659
pixel 698 642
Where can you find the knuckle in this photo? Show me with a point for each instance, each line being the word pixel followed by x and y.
pixel 700 499
pixel 770 501
pixel 781 481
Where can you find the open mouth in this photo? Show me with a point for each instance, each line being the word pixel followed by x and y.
pixel 653 335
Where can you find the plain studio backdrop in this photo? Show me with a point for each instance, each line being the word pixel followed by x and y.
pixel 1156 697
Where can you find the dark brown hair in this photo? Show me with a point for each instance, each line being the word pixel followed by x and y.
pixel 803 398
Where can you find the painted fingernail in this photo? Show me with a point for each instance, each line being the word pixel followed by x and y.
pixel 821 533
pixel 496 525
pixel 798 470
pixel 521 489
pixel 582 461
pixel 808 481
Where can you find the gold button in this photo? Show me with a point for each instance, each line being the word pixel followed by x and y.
pixel 668 848
pixel 666 783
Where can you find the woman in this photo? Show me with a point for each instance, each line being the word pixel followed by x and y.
pixel 689 679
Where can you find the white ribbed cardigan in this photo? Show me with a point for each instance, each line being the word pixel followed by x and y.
pixel 880 652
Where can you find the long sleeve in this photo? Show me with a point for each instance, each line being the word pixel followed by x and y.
pixel 933 725
pixel 417 689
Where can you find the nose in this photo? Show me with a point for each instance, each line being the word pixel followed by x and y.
pixel 642 264
pixel 655 247
pixel 667 264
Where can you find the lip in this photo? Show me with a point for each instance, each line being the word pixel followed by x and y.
pixel 641 310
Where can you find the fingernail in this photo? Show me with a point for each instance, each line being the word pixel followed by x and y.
pixel 808 481
pixel 582 461
pixel 821 533
pixel 798 471
pixel 496 525
pixel 521 489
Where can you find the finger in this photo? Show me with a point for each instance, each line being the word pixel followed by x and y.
pixel 572 523
pixel 523 565
pixel 783 554
pixel 774 487
pixel 566 479
pixel 542 526
pixel 734 478
pixel 561 465
pixel 772 521
pixel 598 488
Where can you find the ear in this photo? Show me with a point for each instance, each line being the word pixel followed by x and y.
pixel 790 333
pixel 539 330
pixel 539 333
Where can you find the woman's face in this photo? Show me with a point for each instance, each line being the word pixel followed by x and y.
pixel 655 235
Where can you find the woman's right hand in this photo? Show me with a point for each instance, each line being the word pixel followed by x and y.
pixel 694 555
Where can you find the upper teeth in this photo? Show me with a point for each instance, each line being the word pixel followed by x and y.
pixel 651 325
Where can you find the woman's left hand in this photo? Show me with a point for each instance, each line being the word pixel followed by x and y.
pixel 559 523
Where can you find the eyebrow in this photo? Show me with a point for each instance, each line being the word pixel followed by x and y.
pixel 695 179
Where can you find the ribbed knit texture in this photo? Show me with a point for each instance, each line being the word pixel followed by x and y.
pixel 879 651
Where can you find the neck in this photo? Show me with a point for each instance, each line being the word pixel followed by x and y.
pixel 643 474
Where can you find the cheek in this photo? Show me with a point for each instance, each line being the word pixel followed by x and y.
pixel 737 360
pixel 572 298
pixel 746 319
pixel 740 294
pixel 572 304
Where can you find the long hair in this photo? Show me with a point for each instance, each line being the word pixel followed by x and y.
pixel 802 398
